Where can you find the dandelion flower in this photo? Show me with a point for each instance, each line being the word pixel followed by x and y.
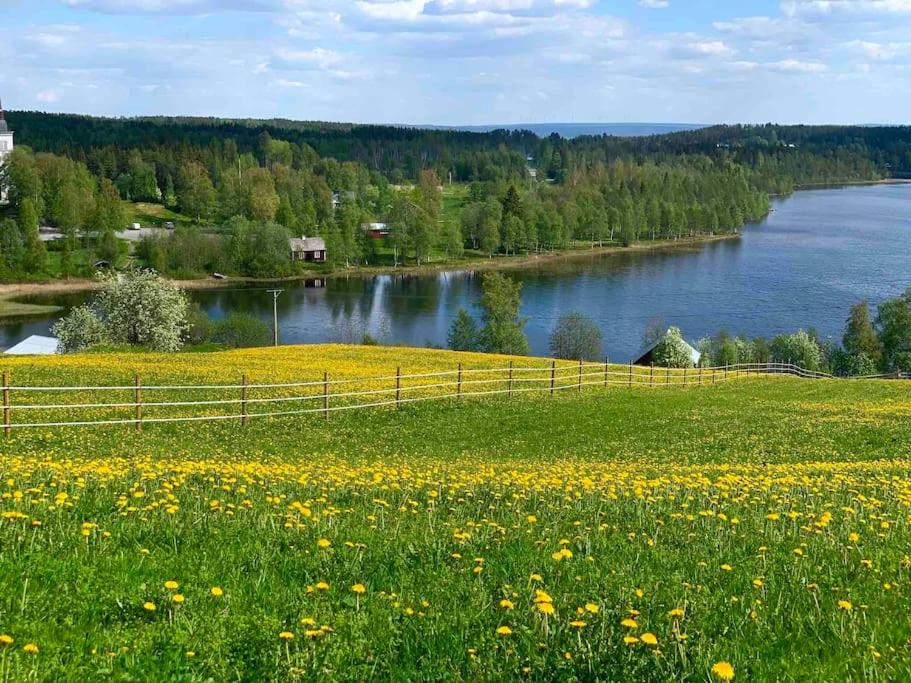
pixel 30 648
pixel 630 640
pixel 629 623
pixel 217 591
pixel 324 543
pixel 546 608
pixel 286 635
pixel 149 606
pixel 723 671
pixel 359 588
pixel 506 604
pixel 504 631
pixel 676 613
pixel 171 585
pixel 6 639
pixel 578 624
pixel 591 607
pixel 845 605
pixel 178 598
pixel 649 639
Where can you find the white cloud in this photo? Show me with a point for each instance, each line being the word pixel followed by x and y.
pixel 47 96
pixel 832 7
pixel 797 66
pixel 655 4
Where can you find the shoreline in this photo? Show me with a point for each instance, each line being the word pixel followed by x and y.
pixel 9 292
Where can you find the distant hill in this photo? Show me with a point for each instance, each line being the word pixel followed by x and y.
pixel 574 130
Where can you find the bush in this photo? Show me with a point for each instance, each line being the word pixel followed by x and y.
pixel 135 309
pixel 241 330
pixel 79 331
pixel 576 337
pixel 801 349
pixel 673 351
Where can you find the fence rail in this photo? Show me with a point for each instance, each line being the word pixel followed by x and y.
pixel 102 405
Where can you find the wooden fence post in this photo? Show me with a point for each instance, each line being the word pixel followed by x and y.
pixel 510 378
pixel 398 387
pixel 606 371
pixel 7 423
pixel 326 394
pixel 580 374
pixel 667 375
pixel 553 376
pixel 700 375
pixel 138 401
pixel 684 377
pixel 631 374
pixel 651 376
pixel 459 383
pixel 243 401
pixel 713 376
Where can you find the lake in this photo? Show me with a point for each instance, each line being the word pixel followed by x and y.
pixel 815 255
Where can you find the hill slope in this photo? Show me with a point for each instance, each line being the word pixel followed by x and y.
pixel 647 533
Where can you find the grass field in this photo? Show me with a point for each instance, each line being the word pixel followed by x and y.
pixel 759 529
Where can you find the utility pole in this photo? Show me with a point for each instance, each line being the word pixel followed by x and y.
pixel 275 294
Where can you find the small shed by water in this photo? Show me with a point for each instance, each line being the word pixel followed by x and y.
pixel 36 345
pixel 308 249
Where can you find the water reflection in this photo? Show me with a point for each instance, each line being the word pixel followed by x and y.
pixel 815 255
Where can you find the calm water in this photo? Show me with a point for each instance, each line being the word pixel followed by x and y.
pixel 816 254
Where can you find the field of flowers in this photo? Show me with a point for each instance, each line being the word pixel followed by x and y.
pixel 757 530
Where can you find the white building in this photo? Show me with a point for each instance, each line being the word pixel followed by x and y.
pixel 6 146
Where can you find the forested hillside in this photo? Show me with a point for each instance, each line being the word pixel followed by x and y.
pixel 240 188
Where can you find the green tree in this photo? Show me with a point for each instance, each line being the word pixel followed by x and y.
pixel 673 351
pixel 34 260
pixel 801 349
pixel 463 333
pixel 195 192
pixel 893 323
pixel 241 330
pixel 576 337
pixel 503 331
pixel 860 337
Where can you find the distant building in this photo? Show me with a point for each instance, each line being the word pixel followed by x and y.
pixel 6 146
pixel 647 355
pixel 36 345
pixel 376 231
pixel 308 249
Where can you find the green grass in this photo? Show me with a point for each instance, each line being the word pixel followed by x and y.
pixel 153 215
pixel 672 499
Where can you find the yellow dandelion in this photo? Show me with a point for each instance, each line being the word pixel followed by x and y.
pixel 322 586
pixel 546 608
pixel 845 605
pixel 171 585
pixel 649 639
pixel 629 623
pixel 506 604
pixel 359 588
pixel 216 591
pixel 286 635
pixel 324 543
pixel 577 624
pixel 723 671
pixel 149 606
pixel 6 639
pixel 591 607
pixel 630 640
pixel 30 648
pixel 676 613
pixel 504 631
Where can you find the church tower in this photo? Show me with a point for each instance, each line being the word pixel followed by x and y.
pixel 6 146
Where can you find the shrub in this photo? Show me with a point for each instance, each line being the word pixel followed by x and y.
pixel 463 334
pixel 241 330
pixel 673 351
pixel 79 331
pixel 801 349
pixel 576 337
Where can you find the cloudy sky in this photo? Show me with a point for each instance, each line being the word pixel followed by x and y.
pixel 463 61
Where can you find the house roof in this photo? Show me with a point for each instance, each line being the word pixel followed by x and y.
pixel 694 354
pixel 36 345
pixel 307 244
pixel 4 127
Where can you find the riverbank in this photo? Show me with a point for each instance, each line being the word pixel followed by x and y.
pixel 9 293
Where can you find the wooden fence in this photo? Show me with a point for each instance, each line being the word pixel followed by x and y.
pixel 130 404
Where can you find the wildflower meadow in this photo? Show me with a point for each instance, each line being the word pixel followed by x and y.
pixel 754 530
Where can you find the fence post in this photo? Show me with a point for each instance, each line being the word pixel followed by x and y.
pixel 459 383
pixel 510 378
pixel 398 387
pixel 7 424
pixel 684 377
pixel 667 375
pixel 631 374
pixel 243 401
pixel 651 376
pixel 326 394
pixel 553 376
pixel 138 401
pixel 580 374
pixel 606 370
pixel 700 375
pixel 713 376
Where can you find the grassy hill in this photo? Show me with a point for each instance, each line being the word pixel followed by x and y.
pixel 608 534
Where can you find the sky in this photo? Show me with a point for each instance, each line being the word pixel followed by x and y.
pixel 453 62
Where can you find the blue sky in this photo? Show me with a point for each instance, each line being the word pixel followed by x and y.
pixel 463 61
